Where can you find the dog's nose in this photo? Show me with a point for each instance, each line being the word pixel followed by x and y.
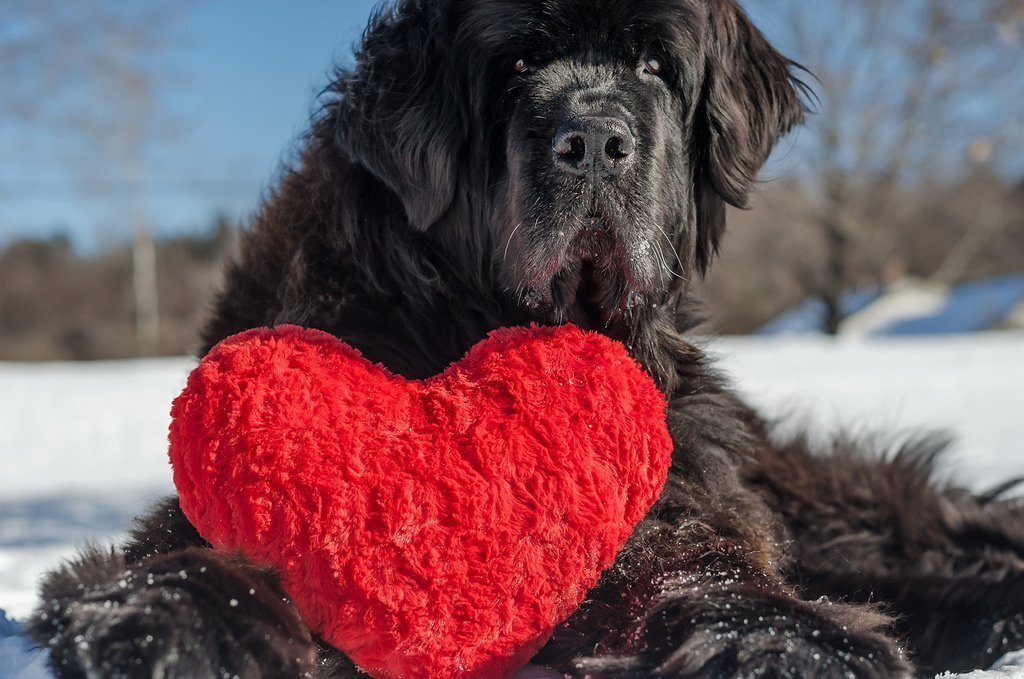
pixel 590 145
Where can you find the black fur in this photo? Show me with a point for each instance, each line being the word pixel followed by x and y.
pixel 428 209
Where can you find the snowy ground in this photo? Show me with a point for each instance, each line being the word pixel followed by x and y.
pixel 83 446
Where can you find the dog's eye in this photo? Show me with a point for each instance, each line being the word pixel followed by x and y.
pixel 654 66
pixel 521 66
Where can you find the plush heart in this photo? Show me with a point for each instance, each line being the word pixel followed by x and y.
pixel 428 529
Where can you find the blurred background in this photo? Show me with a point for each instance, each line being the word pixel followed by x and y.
pixel 135 138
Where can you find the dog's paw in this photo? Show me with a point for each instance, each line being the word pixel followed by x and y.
pixel 961 624
pixel 750 639
pixel 189 614
pixel 143 638
pixel 761 654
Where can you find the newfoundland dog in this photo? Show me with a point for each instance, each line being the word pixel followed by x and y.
pixel 490 163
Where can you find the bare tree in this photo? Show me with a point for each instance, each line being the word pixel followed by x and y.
pixel 89 73
pixel 906 89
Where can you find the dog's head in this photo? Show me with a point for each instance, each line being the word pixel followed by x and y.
pixel 586 149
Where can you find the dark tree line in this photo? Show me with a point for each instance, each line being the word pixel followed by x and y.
pixel 56 304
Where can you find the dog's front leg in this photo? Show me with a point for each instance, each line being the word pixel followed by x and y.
pixel 698 590
pixel 682 604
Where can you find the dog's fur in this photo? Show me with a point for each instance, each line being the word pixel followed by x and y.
pixel 429 208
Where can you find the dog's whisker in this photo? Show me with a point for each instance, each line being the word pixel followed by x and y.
pixel 675 252
pixel 504 255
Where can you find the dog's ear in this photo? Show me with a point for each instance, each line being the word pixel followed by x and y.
pixel 398 114
pixel 751 98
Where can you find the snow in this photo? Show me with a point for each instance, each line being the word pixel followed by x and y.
pixel 82 449
pixel 911 299
pixel 971 386
pixel 914 307
pixel 17 661
pixel 85 427
pixel 809 316
pixel 973 306
pixel 83 446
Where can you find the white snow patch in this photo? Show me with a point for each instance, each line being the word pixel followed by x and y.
pixel 905 299
pixel 971 386
pixel 86 426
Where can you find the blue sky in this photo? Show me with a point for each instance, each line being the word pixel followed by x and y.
pixel 246 78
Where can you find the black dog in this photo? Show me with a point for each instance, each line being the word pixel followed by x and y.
pixel 494 162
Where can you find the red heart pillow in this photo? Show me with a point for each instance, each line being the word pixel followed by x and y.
pixel 428 529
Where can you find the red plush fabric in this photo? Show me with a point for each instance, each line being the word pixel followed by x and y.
pixel 428 529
